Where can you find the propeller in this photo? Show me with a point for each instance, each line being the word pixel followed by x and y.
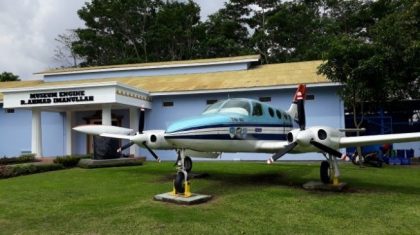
pixel 299 100
pixel 282 152
pixel 326 149
pixel 140 131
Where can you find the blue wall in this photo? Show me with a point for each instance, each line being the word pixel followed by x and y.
pixel 16 128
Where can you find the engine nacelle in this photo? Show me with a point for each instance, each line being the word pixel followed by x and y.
pixel 325 135
pixel 156 140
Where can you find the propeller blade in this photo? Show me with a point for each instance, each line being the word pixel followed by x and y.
pixel 282 152
pixel 326 149
pixel 151 152
pixel 125 147
pixel 301 114
pixel 141 121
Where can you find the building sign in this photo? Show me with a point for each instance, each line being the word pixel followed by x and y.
pixel 57 97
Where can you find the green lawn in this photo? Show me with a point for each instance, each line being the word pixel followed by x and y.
pixel 249 198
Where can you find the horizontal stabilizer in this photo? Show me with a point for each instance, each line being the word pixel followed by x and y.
pixel 101 129
pixel 378 139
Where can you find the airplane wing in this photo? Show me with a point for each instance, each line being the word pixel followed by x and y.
pixel 378 139
pixel 117 136
pixel 271 146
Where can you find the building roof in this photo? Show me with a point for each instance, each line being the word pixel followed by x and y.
pixel 198 62
pixel 259 77
pixel 6 85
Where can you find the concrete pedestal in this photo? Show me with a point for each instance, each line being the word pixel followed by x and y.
pixel 179 199
pixel 316 185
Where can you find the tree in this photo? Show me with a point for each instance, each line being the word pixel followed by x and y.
pixel 64 52
pixel 225 33
pixel 174 31
pixel 378 60
pixel 8 77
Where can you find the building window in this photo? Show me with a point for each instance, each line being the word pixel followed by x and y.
pixel 310 97
pixel 168 103
pixel 9 111
pixel 211 102
pixel 265 99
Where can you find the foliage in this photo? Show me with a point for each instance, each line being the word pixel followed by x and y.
pixel 16 160
pixel 87 163
pixel 64 52
pixel 7 171
pixel 248 198
pixel 376 58
pixel 67 161
pixel 8 77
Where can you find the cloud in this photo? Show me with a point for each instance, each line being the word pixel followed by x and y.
pixel 28 29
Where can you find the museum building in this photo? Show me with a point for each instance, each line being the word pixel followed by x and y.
pixel 38 115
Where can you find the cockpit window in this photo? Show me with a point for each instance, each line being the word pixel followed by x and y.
pixel 214 108
pixel 236 106
pixel 257 109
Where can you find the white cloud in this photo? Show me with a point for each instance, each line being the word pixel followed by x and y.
pixel 27 32
pixel 28 29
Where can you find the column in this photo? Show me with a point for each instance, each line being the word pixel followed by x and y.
pixel 134 124
pixel 69 133
pixel 36 143
pixel 106 115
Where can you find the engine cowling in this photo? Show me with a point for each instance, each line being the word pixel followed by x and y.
pixel 325 135
pixel 156 140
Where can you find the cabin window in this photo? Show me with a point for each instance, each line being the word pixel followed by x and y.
pixel 213 108
pixel 168 103
pixel 208 102
pixel 257 109
pixel 236 106
pixel 9 110
pixel 278 113
pixel 265 99
pixel 271 112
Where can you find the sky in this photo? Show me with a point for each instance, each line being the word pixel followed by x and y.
pixel 28 29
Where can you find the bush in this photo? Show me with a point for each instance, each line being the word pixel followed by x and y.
pixel 68 161
pixel 7 171
pixel 16 160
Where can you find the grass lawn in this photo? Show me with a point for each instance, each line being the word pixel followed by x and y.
pixel 249 198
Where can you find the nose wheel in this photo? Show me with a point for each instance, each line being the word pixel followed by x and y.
pixel 329 171
pixel 181 185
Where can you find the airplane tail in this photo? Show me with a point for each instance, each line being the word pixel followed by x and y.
pixel 297 108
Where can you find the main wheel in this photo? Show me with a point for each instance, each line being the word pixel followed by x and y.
pixel 179 182
pixel 188 164
pixel 325 172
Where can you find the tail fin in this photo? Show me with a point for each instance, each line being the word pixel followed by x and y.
pixel 297 112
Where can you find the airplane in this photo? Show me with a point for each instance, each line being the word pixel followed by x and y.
pixel 246 125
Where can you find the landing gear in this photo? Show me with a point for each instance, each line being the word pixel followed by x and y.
pixel 325 172
pixel 188 164
pixel 181 184
pixel 329 171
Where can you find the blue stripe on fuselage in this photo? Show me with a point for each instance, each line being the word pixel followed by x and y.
pixel 256 125
pixel 256 136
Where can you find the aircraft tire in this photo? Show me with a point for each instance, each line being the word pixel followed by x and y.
pixel 188 164
pixel 179 182
pixel 325 172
